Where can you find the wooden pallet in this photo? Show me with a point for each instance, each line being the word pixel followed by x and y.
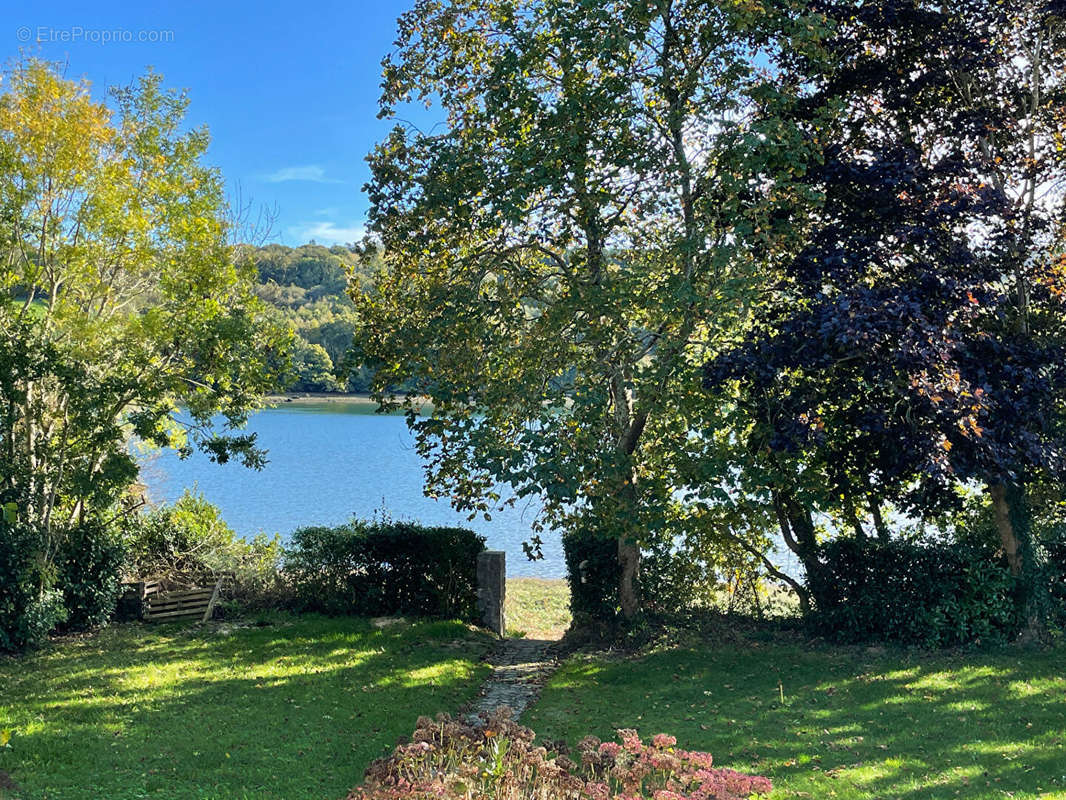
pixel 135 596
pixel 164 606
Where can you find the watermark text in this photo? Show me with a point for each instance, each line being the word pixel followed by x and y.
pixel 76 34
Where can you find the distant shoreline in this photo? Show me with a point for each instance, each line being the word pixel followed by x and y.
pixel 317 398
pixel 320 397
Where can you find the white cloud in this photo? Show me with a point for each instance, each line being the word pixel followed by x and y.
pixel 327 233
pixel 310 172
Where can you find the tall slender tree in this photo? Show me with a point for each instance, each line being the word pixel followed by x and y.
pixel 563 255
pixel 121 297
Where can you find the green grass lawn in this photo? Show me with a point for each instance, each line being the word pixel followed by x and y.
pixel 851 724
pixel 296 709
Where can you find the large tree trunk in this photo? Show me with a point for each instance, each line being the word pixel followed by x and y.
pixel 631 425
pixel 797 529
pixel 1008 537
pixel 629 561
pixel 1015 528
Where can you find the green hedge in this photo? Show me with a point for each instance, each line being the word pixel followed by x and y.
pixel 1053 546
pixel 927 595
pixel 593 572
pixel 384 568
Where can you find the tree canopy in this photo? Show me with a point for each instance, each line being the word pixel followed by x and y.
pixel 127 309
pixel 916 343
pixel 564 255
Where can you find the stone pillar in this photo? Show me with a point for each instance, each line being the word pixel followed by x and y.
pixel 492 589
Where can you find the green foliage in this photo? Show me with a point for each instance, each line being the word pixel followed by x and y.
pixel 593 571
pixel 307 289
pixel 29 608
pixel 122 300
pixel 561 257
pixel 89 574
pixel 189 539
pixel 385 568
pixel 314 369
pixel 926 595
pixel 1053 545
pixel 318 270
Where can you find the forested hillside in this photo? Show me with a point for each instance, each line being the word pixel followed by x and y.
pixel 306 287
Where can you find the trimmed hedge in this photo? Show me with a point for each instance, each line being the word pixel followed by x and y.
pixel 593 572
pixel 928 595
pixel 384 568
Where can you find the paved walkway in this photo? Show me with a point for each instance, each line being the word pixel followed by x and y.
pixel 519 668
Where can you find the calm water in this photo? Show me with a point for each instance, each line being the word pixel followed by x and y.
pixel 332 461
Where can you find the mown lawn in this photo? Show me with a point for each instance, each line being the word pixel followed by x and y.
pixel 851 724
pixel 295 709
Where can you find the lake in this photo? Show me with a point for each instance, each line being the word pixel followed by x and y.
pixel 330 461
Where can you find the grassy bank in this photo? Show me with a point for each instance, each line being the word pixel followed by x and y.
pixel 296 709
pixel 537 608
pixel 829 723
pixel 362 402
pixel 304 398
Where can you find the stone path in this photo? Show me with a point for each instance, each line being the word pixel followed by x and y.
pixel 519 668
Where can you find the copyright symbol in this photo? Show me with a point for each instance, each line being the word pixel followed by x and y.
pixel 23 34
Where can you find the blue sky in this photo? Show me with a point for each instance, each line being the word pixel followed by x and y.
pixel 288 90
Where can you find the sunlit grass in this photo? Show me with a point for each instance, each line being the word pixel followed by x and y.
pixel 296 709
pixel 537 608
pixel 851 724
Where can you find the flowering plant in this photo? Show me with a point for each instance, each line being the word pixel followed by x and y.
pixel 495 759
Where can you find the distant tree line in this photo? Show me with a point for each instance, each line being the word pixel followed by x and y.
pixel 307 289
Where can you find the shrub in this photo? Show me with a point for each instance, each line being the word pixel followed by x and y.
pixel 1053 547
pixel 929 595
pixel 497 760
pixel 29 607
pixel 89 574
pixel 593 572
pixel 189 539
pixel 258 583
pixel 385 568
pixel 185 539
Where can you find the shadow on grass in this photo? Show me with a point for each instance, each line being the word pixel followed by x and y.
pixel 836 723
pixel 293 710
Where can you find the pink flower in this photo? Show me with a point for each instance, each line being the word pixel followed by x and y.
pixel 663 741
pixel 611 749
pixel 630 740
pixel 598 791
